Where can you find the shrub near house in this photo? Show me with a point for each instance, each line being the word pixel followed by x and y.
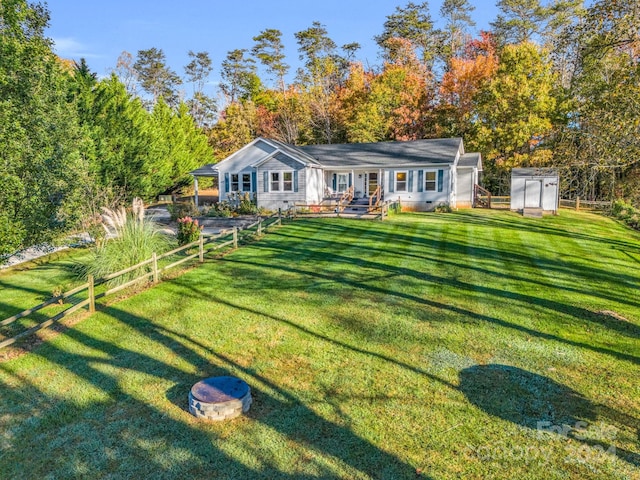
pixel 188 230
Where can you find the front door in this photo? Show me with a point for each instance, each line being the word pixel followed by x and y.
pixel 372 183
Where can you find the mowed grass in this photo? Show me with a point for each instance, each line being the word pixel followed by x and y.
pixel 31 283
pixel 468 345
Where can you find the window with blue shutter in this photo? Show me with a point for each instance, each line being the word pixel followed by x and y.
pixel 420 180
pixel 254 182
pixel 265 179
pixel 410 188
pixel 392 180
pixel 295 180
pixel 226 182
pixel 334 184
pixel 350 179
pixel 440 180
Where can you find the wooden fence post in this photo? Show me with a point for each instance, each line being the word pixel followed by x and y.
pixel 577 204
pixel 260 226
pixel 201 247
pixel 235 237
pixel 92 295
pixel 155 267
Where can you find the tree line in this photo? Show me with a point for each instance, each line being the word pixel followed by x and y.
pixel 71 144
pixel 552 83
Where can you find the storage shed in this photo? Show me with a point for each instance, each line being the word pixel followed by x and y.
pixel 534 190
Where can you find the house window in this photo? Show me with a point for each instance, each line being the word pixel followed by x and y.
pixel 343 182
pixel 246 182
pixel 275 181
pixel 287 181
pixel 430 181
pixel 401 181
pixel 235 184
pixel 281 181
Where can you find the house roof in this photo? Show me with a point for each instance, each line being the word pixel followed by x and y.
pixel 208 170
pixel 473 159
pixel 294 152
pixel 385 154
pixel 440 151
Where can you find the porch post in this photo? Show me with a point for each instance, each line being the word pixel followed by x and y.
pixel 195 183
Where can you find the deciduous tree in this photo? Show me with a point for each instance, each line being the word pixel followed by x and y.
pixel 515 113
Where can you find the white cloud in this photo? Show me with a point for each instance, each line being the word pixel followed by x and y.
pixel 71 48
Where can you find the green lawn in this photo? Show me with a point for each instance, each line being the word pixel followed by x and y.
pixel 468 345
pixel 27 285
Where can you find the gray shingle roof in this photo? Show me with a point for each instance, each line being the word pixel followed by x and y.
pixel 385 154
pixel 372 155
pixel 295 152
pixel 538 172
pixel 205 171
pixel 471 160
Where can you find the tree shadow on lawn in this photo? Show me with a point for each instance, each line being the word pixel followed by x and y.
pixel 432 249
pixel 515 222
pixel 111 436
pixel 507 392
pixel 444 307
pixel 291 417
pixel 274 406
pixel 539 403
pixel 628 329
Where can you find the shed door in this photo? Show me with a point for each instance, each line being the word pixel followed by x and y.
pixel 532 193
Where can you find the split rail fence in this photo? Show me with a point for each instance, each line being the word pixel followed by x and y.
pixel 151 270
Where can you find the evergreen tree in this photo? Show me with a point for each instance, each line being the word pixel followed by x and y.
pixel 155 77
pixel 42 168
pixel 269 49
pixel 201 106
pixel 239 76
pixel 457 14
pixel 413 22
pixel 519 21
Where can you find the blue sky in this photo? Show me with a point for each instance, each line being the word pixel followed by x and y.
pixel 100 30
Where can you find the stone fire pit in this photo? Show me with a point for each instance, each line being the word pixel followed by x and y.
pixel 219 398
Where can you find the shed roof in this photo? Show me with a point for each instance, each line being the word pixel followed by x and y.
pixel 384 154
pixel 534 172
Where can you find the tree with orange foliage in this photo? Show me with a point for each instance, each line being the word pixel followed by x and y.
pixel 391 105
pixel 460 85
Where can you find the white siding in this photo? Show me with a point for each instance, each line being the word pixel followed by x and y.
pixel 272 200
pixel 464 186
pixel 412 198
pixel 545 187
pixel 241 162
pixel 315 186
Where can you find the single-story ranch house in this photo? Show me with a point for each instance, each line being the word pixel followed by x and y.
pixel 422 174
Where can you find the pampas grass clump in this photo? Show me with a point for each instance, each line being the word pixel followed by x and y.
pixel 131 239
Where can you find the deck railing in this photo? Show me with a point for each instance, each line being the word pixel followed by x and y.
pixel 374 200
pixel 481 197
